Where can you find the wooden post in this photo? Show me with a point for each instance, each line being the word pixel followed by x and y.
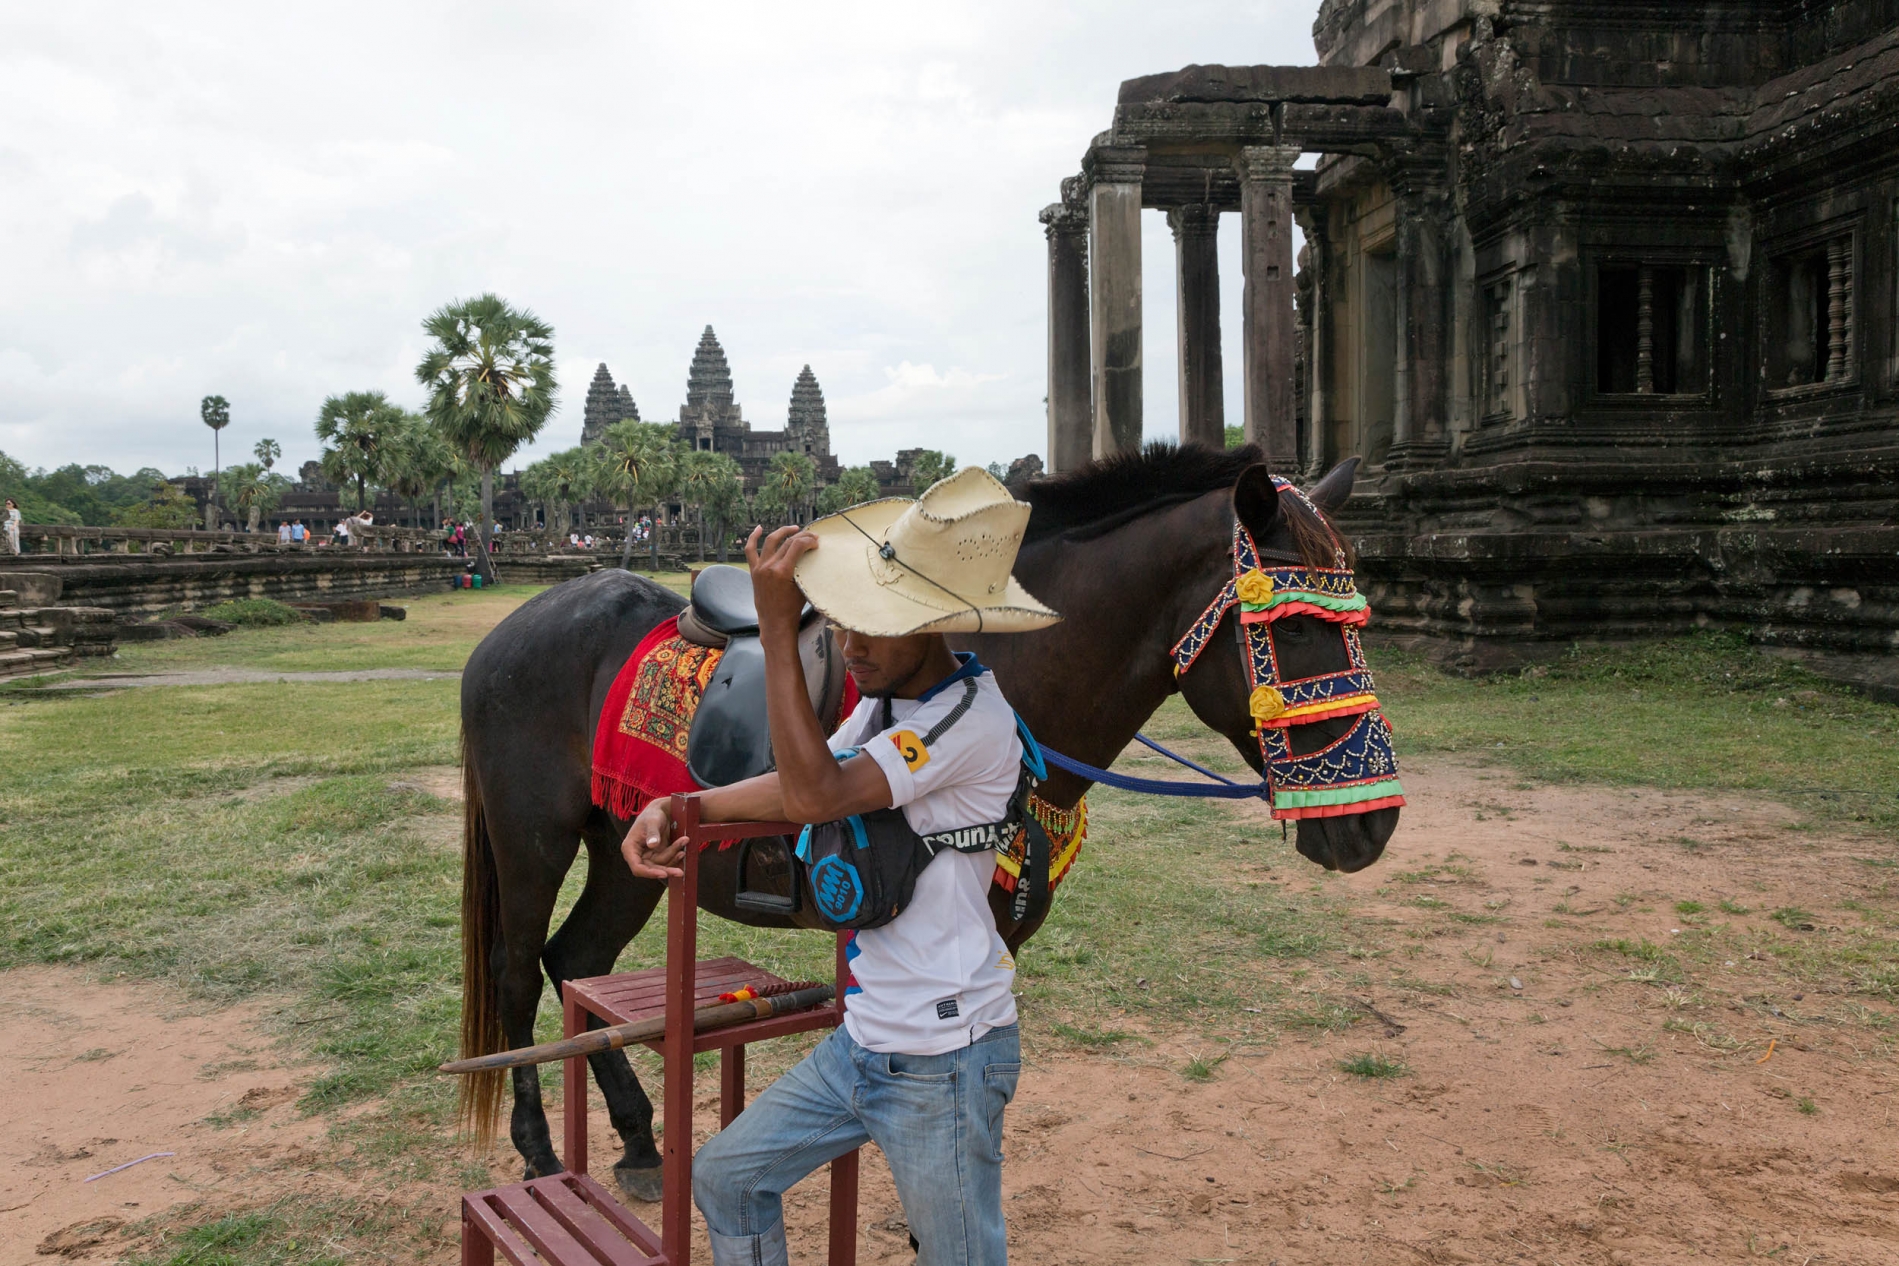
pixel 682 949
pixel 573 1091
pixel 843 1230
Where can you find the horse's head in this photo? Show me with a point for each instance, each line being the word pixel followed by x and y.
pixel 1304 662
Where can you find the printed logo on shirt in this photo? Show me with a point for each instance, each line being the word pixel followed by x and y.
pixel 914 754
pixel 1006 962
pixel 946 1009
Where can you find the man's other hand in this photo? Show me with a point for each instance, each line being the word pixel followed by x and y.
pixel 650 849
pixel 775 590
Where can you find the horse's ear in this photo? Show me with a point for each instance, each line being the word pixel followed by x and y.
pixel 1256 501
pixel 1331 493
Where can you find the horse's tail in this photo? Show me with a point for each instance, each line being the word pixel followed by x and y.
pixel 480 1097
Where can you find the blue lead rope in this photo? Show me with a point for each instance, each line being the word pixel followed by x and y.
pixel 1226 790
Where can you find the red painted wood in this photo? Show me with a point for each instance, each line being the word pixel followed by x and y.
pixel 477 1248
pixel 603 1203
pixel 843 1237
pixel 540 1228
pixel 731 1084
pixel 682 946
pixel 585 1224
pixel 480 1211
pixel 573 1090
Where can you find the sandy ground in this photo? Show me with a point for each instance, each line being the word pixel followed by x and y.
pixel 1547 1115
pixel 94 1075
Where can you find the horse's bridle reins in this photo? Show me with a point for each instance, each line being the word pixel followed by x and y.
pixel 1353 774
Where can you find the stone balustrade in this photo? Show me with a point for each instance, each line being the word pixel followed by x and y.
pixel 60 539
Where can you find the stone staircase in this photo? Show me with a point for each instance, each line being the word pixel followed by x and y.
pixel 38 639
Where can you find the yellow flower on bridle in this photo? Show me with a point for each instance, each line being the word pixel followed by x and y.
pixel 1255 588
pixel 1265 703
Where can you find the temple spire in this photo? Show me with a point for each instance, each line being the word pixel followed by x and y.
pixel 805 424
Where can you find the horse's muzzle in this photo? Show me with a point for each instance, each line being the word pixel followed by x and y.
pixel 1348 842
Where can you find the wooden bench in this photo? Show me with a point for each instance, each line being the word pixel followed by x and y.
pixel 569 1219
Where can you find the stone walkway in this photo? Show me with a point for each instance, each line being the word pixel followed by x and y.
pixel 246 676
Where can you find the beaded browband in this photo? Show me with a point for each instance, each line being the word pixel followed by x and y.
pixel 1358 772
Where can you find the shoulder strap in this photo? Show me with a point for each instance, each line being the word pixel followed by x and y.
pixel 957 713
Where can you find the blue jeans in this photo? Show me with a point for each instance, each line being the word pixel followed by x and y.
pixel 938 1119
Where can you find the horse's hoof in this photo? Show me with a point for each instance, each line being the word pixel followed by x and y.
pixel 542 1169
pixel 641 1184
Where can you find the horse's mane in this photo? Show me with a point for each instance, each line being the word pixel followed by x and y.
pixel 1093 500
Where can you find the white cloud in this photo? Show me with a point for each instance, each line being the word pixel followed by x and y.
pixel 265 201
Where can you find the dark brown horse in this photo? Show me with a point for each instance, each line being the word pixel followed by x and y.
pixel 1130 550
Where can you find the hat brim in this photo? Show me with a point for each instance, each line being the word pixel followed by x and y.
pixel 836 577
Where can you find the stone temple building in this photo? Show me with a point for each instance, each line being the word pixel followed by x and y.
pixel 1604 294
pixel 605 406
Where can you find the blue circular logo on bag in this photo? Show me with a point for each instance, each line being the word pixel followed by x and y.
pixel 836 888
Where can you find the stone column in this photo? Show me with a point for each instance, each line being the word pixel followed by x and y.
pixel 1114 296
pixel 1418 414
pixel 1197 273
pixel 1318 339
pixel 1266 243
pixel 1071 425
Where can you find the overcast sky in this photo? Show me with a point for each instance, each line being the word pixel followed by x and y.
pixel 263 201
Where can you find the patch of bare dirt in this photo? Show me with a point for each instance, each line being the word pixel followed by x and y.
pixel 97 1075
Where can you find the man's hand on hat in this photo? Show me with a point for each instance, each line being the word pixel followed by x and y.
pixel 773 560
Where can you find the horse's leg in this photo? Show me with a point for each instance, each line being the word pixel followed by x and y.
pixel 613 906
pixel 530 870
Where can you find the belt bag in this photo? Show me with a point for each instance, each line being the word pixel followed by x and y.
pixel 861 872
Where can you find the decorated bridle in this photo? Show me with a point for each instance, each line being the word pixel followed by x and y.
pixel 1358 772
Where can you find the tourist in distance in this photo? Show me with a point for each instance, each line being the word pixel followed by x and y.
pixel 927 1057
pixel 283 532
pixel 13 526
pixel 298 533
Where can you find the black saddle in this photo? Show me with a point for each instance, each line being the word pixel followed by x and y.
pixel 722 601
pixel 730 739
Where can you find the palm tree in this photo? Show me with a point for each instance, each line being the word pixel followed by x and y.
pixel 931 466
pixel 415 461
pixel 709 482
pixel 638 463
pixel 216 412
pixel 267 451
pixel 557 481
pixel 787 487
pixel 855 485
pixel 491 387
pixel 255 491
pixel 356 426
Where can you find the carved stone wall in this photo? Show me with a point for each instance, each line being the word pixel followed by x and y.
pixel 1613 321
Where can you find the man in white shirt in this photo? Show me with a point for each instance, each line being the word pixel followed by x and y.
pixel 927 1057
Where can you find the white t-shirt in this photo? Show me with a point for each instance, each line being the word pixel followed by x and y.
pixel 938 976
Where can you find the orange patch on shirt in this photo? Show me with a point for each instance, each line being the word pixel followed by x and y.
pixel 914 754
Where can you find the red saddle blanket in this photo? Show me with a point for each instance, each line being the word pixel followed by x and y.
pixel 639 747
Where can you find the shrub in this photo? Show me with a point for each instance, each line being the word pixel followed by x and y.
pixel 253 611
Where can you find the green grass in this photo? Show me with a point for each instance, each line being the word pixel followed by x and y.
pixel 272 840
pixel 1371 1064
pixel 258 612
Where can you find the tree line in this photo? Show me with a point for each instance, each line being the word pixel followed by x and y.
pixel 488 374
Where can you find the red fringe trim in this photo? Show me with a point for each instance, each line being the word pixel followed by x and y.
pixel 622 800
pixel 1307 718
pixel 1338 810
pixel 1361 616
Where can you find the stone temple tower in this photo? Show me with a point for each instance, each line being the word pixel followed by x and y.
pixel 605 406
pixel 805 428
pixel 710 419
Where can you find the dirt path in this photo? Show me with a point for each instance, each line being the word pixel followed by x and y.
pixel 245 677
pixel 1560 1100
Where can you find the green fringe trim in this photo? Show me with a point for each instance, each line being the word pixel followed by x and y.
pixel 1337 795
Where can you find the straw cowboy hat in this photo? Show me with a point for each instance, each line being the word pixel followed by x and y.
pixel 938 564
